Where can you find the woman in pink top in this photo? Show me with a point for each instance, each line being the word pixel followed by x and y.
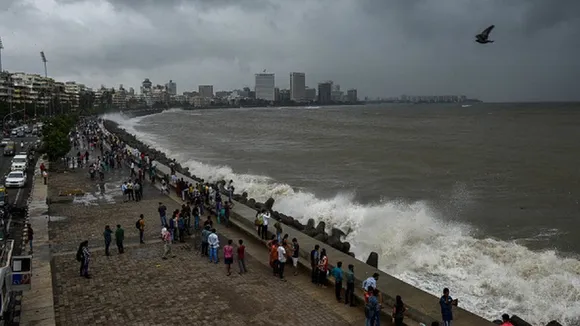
pixel 229 256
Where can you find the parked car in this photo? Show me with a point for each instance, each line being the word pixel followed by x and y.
pixel 16 179
pixel 5 142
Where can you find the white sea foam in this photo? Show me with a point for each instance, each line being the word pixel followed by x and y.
pixel 489 276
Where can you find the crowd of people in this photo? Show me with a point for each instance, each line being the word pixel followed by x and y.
pixel 197 200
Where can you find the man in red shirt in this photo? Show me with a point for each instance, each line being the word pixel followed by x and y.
pixel 506 320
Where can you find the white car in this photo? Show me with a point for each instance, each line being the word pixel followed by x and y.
pixel 19 163
pixel 16 179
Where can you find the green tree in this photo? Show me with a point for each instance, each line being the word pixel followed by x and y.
pixel 55 135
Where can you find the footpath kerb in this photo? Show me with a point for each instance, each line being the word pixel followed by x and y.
pixel 38 303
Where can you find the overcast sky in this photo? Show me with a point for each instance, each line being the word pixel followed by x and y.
pixel 381 47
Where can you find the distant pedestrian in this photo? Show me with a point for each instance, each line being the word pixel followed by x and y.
pixel 399 310
pixel 204 241
pixel 166 235
pixel 84 257
pixel 229 257
pixel 349 293
pixel 372 309
pixel 322 268
pixel 162 209
pixel 314 258
pixel 295 255
pixel 214 244
pixel 119 238
pixel 140 225
pixel 281 261
pixel 279 230
pixel 505 318
pixel 447 302
pixel 242 257
pixel 337 274
pixel 30 234
pixel 107 235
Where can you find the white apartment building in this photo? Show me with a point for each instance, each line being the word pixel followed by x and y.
pixel 297 86
pixel 6 87
pixel 264 87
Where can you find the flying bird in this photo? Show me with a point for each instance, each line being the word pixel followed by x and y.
pixel 483 38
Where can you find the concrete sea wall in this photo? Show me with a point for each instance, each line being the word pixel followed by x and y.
pixel 423 307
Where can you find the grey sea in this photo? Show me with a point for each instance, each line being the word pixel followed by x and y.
pixel 481 199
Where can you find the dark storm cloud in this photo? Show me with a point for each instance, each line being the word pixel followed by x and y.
pixel 204 4
pixel 544 14
pixel 381 47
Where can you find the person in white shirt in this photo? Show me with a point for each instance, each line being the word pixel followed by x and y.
pixel 371 281
pixel 214 243
pixel 266 218
pixel 281 262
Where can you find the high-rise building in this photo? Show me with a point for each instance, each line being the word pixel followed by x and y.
pixel 352 96
pixel 297 86
pixel 264 87
pixel 325 92
pixel 171 87
pixel 205 91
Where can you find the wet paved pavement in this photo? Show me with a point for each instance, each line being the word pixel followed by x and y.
pixel 139 288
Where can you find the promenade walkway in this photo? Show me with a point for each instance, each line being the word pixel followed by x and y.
pixel 139 288
pixel 37 305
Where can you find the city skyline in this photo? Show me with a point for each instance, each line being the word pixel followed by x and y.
pixel 414 46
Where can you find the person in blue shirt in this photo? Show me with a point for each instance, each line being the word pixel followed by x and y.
pixel 446 302
pixel 337 274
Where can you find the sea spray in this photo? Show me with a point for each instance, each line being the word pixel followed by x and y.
pixel 490 277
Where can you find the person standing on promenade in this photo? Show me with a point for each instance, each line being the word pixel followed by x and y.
pixel 30 234
pixel 229 257
pixel 259 222
pixel 372 309
pixel 505 318
pixel 214 244
pixel 84 257
pixel 337 274
pixel 322 268
pixel 349 293
pixel 314 257
pixel 266 217
pixel 242 257
pixel 447 302
pixel 141 226
pixel 108 238
pixel 162 209
pixel 119 238
pixel 281 261
pixel 204 240
pixel 278 227
pixel 295 255
pixel 166 236
pixel 399 310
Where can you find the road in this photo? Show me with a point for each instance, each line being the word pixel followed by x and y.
pixel 17 197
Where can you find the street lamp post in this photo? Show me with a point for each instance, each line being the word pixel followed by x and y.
pixel 8 115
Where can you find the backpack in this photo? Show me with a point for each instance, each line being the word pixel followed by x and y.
pixel 138 224
pixel 79 255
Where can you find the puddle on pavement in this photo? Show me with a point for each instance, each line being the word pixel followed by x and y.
pixel 94 199
pixel 52 218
